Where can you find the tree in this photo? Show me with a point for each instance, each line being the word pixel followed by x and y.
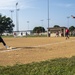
pixel 38 29
pixel 72 28
pixel 6 24
pixel 56 26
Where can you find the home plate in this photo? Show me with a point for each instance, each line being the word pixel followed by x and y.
pixel 10 48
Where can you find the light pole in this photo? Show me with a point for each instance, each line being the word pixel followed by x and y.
pixel 17 23
pixel 68 21
pixel 48 21
pixel 11 14
pixel 42 24
pixel 28 24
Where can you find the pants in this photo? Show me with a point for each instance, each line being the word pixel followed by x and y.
pixel 1 40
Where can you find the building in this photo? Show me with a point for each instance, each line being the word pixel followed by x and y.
pixel 23 33
pixel 57 31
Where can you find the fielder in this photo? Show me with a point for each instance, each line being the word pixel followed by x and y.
pixel 67 33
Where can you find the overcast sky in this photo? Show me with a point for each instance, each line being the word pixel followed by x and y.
pixel 35 11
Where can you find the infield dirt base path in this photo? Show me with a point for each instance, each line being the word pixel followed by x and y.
pixel 36 49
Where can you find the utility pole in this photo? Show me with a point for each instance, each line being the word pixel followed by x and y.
pixel 68 21
pixel 11 14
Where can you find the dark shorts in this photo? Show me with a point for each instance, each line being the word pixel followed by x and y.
pixel 67 34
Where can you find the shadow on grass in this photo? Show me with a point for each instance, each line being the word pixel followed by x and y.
pixel 16 48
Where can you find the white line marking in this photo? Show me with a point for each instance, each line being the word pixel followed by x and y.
pixel 54 43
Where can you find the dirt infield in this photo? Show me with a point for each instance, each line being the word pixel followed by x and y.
pixel 36 49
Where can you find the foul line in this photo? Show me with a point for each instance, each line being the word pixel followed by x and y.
pixel 54 43
pixel 40 45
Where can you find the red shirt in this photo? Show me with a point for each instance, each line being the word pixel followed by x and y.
pixel 67 30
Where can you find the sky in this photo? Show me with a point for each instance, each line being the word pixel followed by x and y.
pixel 33 13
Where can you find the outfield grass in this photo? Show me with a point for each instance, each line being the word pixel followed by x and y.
pixel 60 66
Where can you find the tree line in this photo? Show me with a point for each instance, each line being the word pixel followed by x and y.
pixel 40 29
pixel 7 25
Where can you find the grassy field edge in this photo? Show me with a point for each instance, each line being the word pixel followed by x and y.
pixel 60 66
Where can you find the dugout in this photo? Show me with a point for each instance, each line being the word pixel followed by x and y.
pixel 57 31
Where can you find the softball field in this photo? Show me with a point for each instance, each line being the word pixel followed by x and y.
pixel 36 49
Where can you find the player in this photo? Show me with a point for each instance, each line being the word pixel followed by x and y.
pixel 67 33
pixel 2 41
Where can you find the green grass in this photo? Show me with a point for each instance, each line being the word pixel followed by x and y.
pixel 61 66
